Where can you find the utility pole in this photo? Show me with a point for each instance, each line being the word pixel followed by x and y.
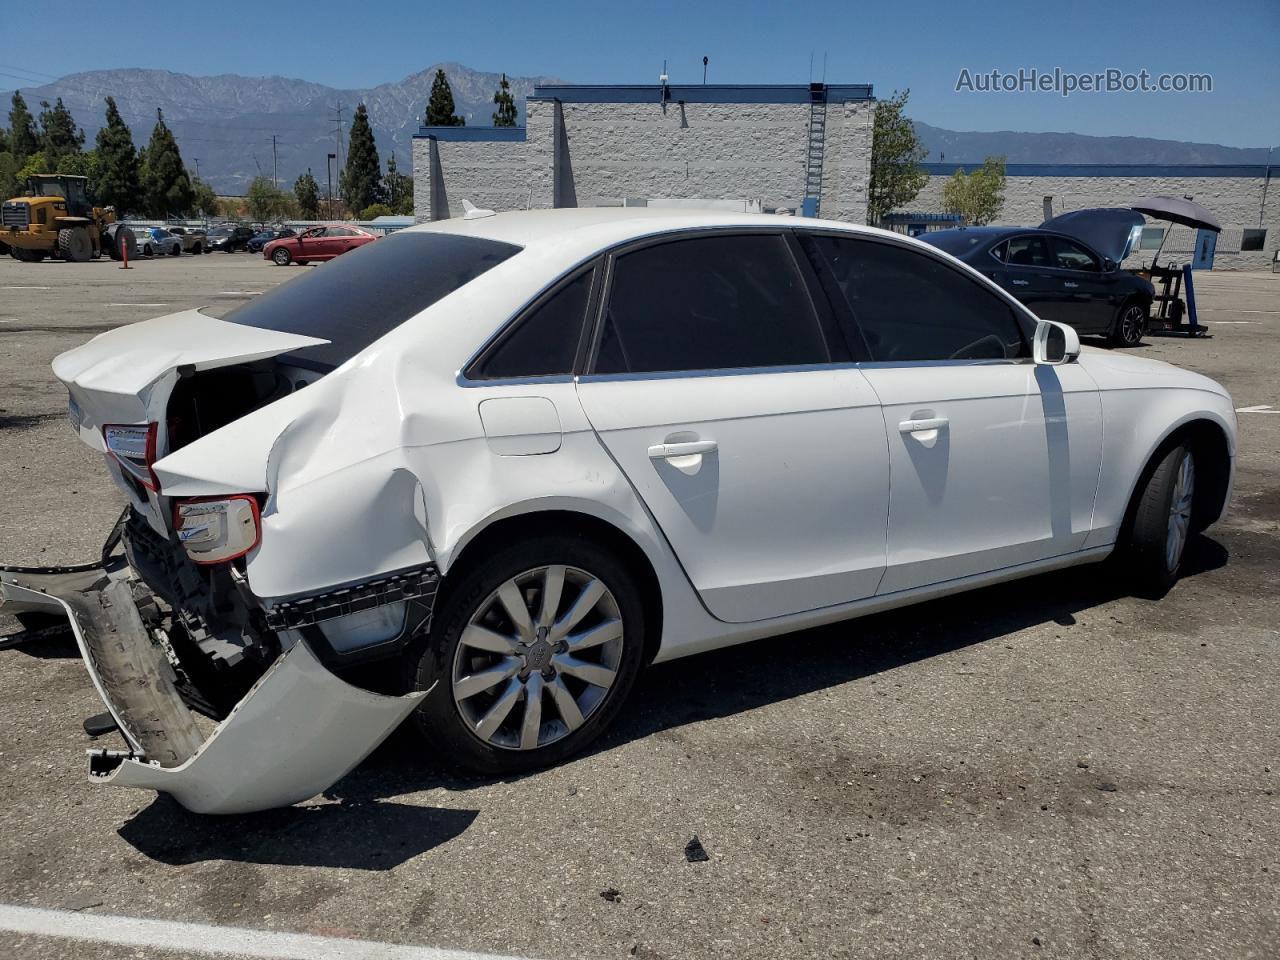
pixel 197 159
pixel 337 140
pixel 275 180
pixel 328 163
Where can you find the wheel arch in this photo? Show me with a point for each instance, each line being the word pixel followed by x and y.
pixel 1205 435
pixel 561 520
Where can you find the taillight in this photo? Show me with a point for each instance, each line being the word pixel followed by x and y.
pixel 218 529
pixel 134 447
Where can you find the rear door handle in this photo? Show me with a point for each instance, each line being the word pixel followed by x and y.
pixel 690 448
pixel 922 426
pixel 1069 283
pixel 1018 283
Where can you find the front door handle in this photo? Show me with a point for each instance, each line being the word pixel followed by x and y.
pixel 690 448
pixel 921 426
pixel 1018 283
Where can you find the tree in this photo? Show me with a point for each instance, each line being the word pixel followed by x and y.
pixel 307 192
pixel 166 188
pixel 375 210
pixel 397 188
pixel 976 196
pixel 10 185
pixel 118 182
pixel 59 135
pixel 265 200
pixel 362 178
pixel 204 200
pixel 896 174
pixel 23 140
pixel 505 115
pixel 440 106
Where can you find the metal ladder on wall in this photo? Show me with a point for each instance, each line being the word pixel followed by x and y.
pixel 817 144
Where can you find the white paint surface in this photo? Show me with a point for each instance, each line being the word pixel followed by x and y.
pixel 186 939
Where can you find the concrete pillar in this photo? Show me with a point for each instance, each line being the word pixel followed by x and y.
pixel 563 191
pixel 439 199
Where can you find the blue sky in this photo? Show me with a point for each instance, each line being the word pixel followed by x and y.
pixel 915 44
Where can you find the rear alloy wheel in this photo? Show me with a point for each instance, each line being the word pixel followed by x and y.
pixel 1130 325
pixel 532 656
pixel 1163 521
pixel 281 257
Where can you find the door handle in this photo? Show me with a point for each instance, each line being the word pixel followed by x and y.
pixel 1071 284
pixel 922 426
pixel 1018 283
pixel 690 448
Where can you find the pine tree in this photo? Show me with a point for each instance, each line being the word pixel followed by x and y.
pixel 505 115
pixel 397 188
pixel 59 135
pixel 440 106
pixel 23 141
pixel 362 178
pixel 118 183
pixel 307 191
pixel 166 188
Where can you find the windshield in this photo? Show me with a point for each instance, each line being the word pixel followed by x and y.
pixel 370 291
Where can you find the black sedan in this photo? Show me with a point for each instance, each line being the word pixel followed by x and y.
pixel 1058 275
pixel 230 239
pixel 260 240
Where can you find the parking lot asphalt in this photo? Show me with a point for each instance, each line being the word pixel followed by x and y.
pixel 1049 768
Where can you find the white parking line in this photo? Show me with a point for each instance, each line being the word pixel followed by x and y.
pixel 1229 323
pixel 1259 408
pixel 186 939
pixel 137 304
pixel 25 288
pixel 239 293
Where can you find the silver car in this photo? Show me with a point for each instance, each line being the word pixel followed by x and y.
pixel 157 241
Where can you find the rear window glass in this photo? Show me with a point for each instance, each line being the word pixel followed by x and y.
pixel 367 293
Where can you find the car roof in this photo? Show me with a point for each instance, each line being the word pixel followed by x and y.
pixel 602 226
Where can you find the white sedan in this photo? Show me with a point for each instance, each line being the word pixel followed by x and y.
pixel 484 471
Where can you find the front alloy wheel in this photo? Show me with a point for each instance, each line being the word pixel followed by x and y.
pixel 1163 522
pixel 530 656
pixel 1131 325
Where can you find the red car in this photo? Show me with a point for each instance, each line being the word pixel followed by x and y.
pixel 316 243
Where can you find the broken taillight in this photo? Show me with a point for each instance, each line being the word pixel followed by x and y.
pixel 218 529
pixel 134 447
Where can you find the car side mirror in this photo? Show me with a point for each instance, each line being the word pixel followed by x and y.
pixel 1108 264
pixel 1055 343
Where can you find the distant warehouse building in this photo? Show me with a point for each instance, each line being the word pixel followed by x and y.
pixel 802 148
pixel 1240 196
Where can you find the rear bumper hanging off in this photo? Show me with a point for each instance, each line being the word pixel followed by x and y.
pixel 297 731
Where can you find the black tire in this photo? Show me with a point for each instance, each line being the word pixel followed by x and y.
pixel 1150 557
pixel 176 250
pixel 280 257
pixel 75 245
pixel 197 250
pixel 440 719
pixel 1130 324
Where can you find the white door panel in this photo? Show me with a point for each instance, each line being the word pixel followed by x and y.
pixel 772 488
pixel 991 465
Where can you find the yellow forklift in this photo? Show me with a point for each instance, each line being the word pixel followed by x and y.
pixel 56 218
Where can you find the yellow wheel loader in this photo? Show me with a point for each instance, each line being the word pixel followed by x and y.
pixel 57 219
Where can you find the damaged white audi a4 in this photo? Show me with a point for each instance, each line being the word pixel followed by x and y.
pixel 484 470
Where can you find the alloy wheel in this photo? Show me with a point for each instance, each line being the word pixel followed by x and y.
pixel 538 657
pixel 1184 486
pixel 1132 325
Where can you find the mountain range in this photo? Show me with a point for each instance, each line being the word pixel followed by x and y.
pixel 225 124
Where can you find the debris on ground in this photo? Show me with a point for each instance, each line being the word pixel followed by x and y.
pixel 613 895
pixel 694 851
pixel 1108 787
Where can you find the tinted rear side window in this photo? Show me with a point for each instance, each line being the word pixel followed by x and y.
pixel 709 303
pixel 364 294
pixel 910 306
pixel 545 341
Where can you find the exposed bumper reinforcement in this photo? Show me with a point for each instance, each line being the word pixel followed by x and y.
pixel 297 731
